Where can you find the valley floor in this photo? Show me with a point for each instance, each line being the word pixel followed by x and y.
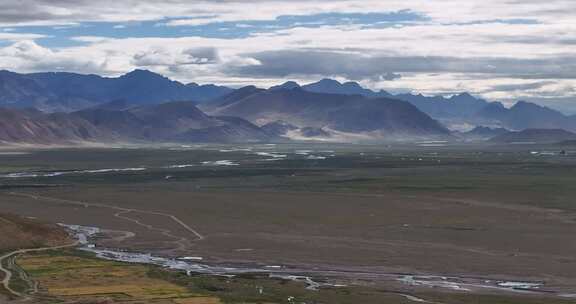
pixel 444 225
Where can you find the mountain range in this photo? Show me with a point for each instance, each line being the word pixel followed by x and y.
pixel 167 122
pixel 65 92
pixel 460 110
pixel 341 116
pixel 143 106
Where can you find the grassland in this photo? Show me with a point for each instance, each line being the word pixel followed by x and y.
pixel 75 277
pixel 67 276
pixel 64 276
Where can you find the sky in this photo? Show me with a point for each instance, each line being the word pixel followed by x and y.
pixel 501 50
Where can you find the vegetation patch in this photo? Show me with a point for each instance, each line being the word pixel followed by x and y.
pixel 80 277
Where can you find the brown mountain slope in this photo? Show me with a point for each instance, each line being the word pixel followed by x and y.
pixel 17 232
pixel 168 122
pixel 173 122
pixel 392 119
pixel 32 126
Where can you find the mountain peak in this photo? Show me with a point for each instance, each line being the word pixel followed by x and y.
pixel 352 85
pixel 289 85
pixel 523 104
pixel 6 72
pixel 329 81
pixel 529 106
pixel 465 96
pixel 248 88
pixel 140 73
pixel 332 86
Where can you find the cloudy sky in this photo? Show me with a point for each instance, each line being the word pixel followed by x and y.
pixel 499 49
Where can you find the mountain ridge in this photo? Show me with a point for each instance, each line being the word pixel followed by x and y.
pixel 168 122
pixel 386 119
pixel 328 107
pixel 463 108
pixel 63 91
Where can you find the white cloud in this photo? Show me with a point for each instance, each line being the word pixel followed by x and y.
pixel 202 11
pixel 457 29
pixel 27 56
pixel 11 37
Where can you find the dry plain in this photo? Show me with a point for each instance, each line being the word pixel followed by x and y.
pixel 349 214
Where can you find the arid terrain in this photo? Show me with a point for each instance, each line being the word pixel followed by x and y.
pixel 28 233
pixel 456 224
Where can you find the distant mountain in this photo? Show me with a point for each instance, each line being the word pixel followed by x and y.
pixel 493 112
pixel 202 93
pixel 227 130
pixel 438 107
pixel 342 110
pixel 173 121
pixel 168 122
pixel 461 109
pixel 145 87
pixel 138 86
pixel 119 123
pixel 18 91
pixel 525 115
pixel 331 86
pixel 34 127
pixel 279 128
pixel 287 85
pixel 481 133
pixel 115 105
pixel 535 136
pixel 54 92
pixel 232 97
pixel 348 115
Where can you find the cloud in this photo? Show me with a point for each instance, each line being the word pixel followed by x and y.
pixel 446 11
pixel 170 58
pixel 498 49
pixel 27 56
pixel 355 65
pixel 388 76
pixel 305 20
pixel 203 55
pixel 11 37
pixel 522 86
